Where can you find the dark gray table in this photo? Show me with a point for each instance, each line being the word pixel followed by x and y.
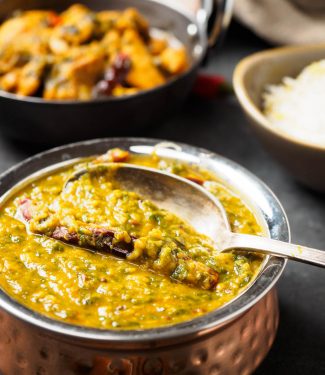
pixel 219 125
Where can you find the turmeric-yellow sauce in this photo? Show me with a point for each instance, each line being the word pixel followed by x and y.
pixel 172 275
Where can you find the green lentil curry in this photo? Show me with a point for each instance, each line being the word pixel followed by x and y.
pixel 172 274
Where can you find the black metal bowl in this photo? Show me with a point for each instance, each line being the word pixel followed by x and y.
pixel 43 121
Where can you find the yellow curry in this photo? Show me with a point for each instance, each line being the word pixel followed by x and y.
pixel 91 254
pixel 82 54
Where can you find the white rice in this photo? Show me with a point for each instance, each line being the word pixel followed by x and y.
pixel 297 106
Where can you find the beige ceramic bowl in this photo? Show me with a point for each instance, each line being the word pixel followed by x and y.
pixel 303 160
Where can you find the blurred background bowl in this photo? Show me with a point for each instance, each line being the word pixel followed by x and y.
pixel 303 160
pixel 44 121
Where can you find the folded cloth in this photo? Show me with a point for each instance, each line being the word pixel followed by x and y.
pixel 284 21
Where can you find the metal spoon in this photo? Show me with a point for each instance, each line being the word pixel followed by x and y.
pixel 195 205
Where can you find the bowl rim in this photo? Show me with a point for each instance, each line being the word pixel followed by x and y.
pixel 274 217
pixel 243 94
pixel 202 41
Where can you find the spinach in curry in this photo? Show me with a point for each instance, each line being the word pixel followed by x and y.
pixel 172 274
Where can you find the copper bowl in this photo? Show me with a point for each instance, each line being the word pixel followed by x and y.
pixel 230 340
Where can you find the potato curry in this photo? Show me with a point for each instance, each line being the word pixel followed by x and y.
pixel 82 54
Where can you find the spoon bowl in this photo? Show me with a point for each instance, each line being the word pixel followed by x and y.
pixel 188 200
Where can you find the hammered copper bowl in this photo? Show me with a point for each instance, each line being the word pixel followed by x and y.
pixel 230 340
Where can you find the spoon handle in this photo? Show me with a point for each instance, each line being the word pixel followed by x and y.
pixel 277 248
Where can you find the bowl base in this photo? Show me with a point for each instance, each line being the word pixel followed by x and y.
pixel 237 347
